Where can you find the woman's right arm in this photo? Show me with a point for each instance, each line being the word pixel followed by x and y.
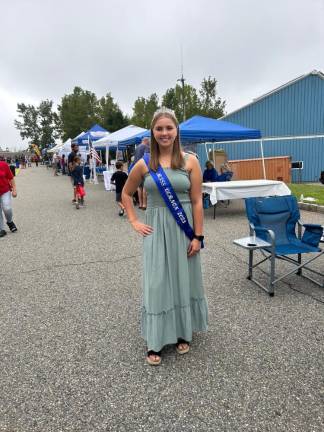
pixel 135 178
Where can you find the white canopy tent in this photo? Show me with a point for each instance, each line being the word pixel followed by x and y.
pixel 56 148
pixel 66 147
pixel 114 138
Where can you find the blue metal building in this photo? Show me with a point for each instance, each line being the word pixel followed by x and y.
pixel 293 109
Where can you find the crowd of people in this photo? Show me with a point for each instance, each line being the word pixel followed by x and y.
pixel 79 170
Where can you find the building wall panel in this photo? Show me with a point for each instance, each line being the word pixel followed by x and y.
pixel 277 168
pixel 297 109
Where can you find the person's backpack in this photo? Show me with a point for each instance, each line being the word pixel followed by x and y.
pixel 321 179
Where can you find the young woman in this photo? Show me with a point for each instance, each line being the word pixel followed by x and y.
pixel 174 304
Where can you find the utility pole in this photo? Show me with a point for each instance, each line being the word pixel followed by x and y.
pixel 182 80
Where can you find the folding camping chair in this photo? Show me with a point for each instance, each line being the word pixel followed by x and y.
pixel 273 231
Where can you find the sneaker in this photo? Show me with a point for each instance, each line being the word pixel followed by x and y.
pixel 12 226
pixel 121 212
pixel 3 233
pixel 77 205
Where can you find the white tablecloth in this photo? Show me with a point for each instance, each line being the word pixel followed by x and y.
pixel 244 189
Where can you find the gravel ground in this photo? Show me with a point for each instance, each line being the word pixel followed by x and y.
pixel 71 355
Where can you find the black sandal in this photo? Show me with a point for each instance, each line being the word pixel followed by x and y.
pixel 182 342
pixel 153 362
pixel 12 226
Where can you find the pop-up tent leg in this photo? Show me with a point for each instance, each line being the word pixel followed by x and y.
pixel 263 163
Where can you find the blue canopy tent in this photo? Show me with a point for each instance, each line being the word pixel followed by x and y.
pixel 200 129
pixel 93 134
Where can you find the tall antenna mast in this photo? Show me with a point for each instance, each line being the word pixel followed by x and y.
pixel 182 80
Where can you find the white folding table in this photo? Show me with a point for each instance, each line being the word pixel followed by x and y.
pixel 239 189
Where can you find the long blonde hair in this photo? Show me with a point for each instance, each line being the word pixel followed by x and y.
pixel 177 159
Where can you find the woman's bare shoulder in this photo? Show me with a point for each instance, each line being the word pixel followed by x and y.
pixel 140 167
pixel 191 161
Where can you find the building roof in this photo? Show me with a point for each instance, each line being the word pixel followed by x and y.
pixel 289 83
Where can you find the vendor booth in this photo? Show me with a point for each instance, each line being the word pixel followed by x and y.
pixel 112 141
pixel 85 142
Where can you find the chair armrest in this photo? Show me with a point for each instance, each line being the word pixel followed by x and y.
pixel 261 228
pixel 312 226
pixel 301 223
pixel 312 234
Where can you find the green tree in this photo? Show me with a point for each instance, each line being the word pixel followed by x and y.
pixel 48 120
pixel 110 115
pixel 191 101
pixel 210 104
pixel 144 109
pixel 78 111
pixel 39 124
pixel 205 102
pixel 27 123
pixel 173 99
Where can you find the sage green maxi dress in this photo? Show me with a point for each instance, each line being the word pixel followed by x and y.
pixel 174 304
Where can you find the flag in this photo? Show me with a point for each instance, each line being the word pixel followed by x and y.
pixel 95 154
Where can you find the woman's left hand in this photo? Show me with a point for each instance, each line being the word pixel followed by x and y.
pixel 194 247
pixel 14 193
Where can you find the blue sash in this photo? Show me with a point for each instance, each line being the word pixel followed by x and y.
pixel 170 197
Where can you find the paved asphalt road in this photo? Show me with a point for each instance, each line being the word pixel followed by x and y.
pixel 71 355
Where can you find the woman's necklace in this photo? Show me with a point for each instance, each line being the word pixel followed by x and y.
pixel 165 158
pixel 165 162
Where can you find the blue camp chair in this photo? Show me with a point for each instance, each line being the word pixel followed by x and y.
pixel 273 222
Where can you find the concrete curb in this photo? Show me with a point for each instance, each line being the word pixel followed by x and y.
pixel 311 207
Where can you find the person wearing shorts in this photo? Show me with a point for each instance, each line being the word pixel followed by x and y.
pixel 72 155
pixel 119 179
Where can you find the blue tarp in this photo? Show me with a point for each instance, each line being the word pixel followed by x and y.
pixel 199 129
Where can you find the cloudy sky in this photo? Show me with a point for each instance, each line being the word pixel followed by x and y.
pixel 132 48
